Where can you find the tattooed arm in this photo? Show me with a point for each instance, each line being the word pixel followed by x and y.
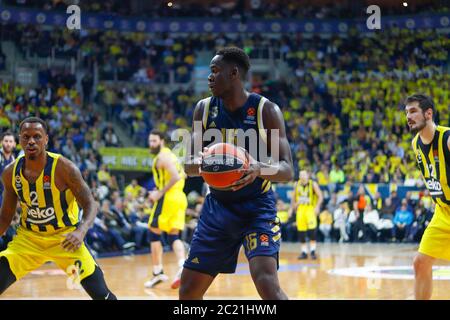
pixel 72 178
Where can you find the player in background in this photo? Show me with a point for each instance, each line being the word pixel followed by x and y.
pixel 169 208
pixel 306 201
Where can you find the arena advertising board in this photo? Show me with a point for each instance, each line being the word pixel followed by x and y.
pixel 127 159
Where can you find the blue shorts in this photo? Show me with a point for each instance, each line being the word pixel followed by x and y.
pixel 224 227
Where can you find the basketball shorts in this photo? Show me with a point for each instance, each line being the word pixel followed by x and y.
pixel 436 238
pixel 223 228
pixel 169 212
pixel 306 218
pixel 29 250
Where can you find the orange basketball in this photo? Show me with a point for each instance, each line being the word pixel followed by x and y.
pixel 221 165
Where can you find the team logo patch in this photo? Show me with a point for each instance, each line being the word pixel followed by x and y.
pixel 214 111
pixel 18 182
pixel 419 158
pixel 264 240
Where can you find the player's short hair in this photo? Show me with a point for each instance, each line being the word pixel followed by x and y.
pixel 425 102
pixel 34 120
pixel 158 133
pixel 7 134
pixel 238 56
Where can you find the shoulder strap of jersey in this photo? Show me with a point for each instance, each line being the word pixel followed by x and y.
pixel 415 143
pixel 206 103
pixel 445 136
pixel 260 122
pixel 16 169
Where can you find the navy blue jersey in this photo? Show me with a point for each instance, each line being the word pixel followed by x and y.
pixel 249 116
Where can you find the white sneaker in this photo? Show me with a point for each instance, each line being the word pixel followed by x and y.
pixel 176 281
pixel 157 278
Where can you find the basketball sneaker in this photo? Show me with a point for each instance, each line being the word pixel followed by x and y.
pixel 303 256
pixel 176 281
pixel 313 255
pixel 157 278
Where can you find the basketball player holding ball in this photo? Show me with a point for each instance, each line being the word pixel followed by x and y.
pixel 245 213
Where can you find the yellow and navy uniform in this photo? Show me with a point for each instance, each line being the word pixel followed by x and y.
pixel 434 163
pixel 48 215
pixel 168 212
pixel 306 198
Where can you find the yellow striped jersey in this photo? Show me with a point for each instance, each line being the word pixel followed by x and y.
pixel 434 162
pixel 305 194
pixel 44 207
pixel 162 176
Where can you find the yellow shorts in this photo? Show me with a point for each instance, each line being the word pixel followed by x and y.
pixel 436 238
pixel 306 218
pixel 169 212
pixel 29 250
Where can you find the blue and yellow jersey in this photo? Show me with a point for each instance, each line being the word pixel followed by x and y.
pixel 248 117
pixel 434 162
pixel 162 176
pixel 44 207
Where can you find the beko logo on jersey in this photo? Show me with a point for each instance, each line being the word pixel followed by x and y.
pixel 39 216
pixel 434 187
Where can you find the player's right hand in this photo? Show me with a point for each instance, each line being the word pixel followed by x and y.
pixel 200 160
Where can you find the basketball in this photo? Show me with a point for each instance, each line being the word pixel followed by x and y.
pixel 221 165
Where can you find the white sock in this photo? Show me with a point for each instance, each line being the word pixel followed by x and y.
pixel 312 246
pixel 157 269
pixel 304 248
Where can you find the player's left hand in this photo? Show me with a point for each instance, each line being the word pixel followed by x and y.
pixel 250 174
pixel 317 210
pixel 155 195
pixel 73 240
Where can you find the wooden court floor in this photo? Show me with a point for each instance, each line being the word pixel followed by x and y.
pixel 343 271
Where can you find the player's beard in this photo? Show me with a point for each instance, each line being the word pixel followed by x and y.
pixel 419 127
pixel 155 150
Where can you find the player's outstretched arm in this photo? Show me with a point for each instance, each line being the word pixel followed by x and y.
pixel 73 179
pixel 9 203
pixel 192 162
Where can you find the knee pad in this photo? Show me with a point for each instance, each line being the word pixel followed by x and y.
pixel 312 235
pixel 172 237
pixel 154 237
pixel 302 236
pixel 95 286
